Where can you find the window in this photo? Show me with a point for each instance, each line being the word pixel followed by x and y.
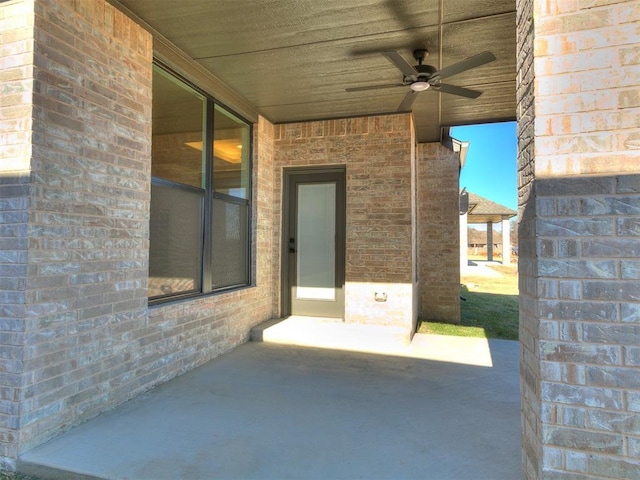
pixel 200 193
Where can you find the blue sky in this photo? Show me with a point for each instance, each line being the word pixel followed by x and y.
pixel 490 168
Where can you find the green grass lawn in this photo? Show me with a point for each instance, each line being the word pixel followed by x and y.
pixel 490 309
pixel 15 476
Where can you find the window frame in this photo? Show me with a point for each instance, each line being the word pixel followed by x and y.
pixel 206 253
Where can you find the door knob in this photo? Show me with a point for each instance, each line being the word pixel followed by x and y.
pixel 292 245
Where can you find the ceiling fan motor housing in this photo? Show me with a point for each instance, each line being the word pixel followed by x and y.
pixel 425 72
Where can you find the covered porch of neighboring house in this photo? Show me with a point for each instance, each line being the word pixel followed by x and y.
pixel 479 210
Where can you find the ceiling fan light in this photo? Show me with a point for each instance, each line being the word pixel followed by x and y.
pixel 419 86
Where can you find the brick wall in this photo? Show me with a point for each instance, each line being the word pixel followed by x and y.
pixel 377 153
pixel 527 260
pixel 438 233
pixel 589 308
pixel 74 228
pixel 16 78
pixel 579 306
pixel 587 96
pixel 267 259
pixel 89 199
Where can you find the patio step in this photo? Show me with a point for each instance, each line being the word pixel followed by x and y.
pixel 385 340
pixel 329 333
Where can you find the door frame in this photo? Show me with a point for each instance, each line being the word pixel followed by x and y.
pixel 289 175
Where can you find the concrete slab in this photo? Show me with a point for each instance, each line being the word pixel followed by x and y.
pixel 278 411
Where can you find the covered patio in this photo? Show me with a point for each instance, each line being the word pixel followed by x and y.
pixel 441 408
pixel 262 98
pixel 480 210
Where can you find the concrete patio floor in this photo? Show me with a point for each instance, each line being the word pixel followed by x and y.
pixel 275 411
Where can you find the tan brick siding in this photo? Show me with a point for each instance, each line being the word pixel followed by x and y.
pixel 587 98
pixel 88 229
pixel 16 78
pixel 377 154
pixel 528 330
pixel 589 308
pixel 266 248
pixel 78 319
pixel 438 233
pixel 578 258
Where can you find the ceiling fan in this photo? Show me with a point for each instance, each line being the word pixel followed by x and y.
pixel 424 77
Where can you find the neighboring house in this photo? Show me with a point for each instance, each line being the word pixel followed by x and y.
pixel 477 239
pixel 152 215
pixel 486 212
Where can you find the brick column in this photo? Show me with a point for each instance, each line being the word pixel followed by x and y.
pixel 438 233
pixel 16 57
pixel 490 241
pixel 579 205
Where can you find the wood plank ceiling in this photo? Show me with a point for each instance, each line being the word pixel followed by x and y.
pixel 292 59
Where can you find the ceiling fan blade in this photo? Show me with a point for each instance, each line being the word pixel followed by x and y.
pixel 463 66
pixel 407 101
pixel 463 92
pixel 374 87
pixel 400 63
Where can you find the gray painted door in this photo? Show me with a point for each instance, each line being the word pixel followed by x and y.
pixel 315 237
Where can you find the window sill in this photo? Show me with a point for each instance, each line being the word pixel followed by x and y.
pixel 174 299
